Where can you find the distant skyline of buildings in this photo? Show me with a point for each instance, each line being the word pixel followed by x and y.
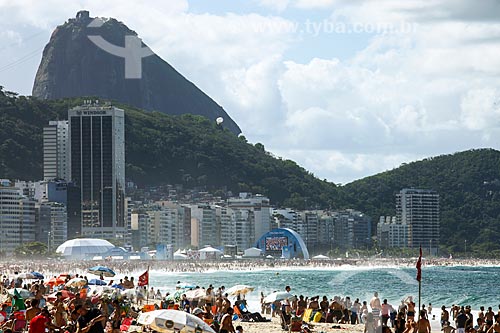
pixel 82 194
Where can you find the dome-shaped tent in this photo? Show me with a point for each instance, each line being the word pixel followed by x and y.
pixel 81 248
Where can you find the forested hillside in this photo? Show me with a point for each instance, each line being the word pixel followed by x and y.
pixel 195 152
pixel 164 149
pixel 469 187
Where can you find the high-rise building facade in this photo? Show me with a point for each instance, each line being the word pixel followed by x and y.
pixel 140 229
pixel 17 219
pixel 58 224
pixel 97 168
pixel 308 228
pixel 392 234
pixel 352 229
pixel 419 209
pixel 260 207
pixel 205 229
pixel 326 231
pixel 236 227
pixel 55 151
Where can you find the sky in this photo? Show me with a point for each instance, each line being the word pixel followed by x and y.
pixel 346 88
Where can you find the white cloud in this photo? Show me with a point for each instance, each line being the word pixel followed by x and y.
pixel 314 4
pixel 480 109
pixel 278 5
pixel 407 94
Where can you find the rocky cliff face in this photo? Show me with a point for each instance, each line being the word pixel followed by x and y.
pixel 72 65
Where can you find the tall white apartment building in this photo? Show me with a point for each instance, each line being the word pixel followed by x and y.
pixel 58 224
pixel 326 231
pixel 419 209
pixel 237 227
pixel 287 218
pixel 55 151
pixel 391 233
pixel 17 219
pixel 260 207
pixel 308 228
pixel 204 226
pixel 140 226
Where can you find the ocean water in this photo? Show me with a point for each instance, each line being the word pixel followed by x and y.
pixel 474 286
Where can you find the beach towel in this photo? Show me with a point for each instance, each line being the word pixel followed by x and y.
pixel 306 316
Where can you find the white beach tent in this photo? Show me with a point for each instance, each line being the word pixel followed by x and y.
pixel 320 257
pixel 81 248
pixel 180 255
pixel 210 253
pixel 252 252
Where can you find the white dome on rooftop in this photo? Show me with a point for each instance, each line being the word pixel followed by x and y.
pixel 80 248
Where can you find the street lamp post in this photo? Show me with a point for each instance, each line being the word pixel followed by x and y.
pixel 466 248
pixel 48 242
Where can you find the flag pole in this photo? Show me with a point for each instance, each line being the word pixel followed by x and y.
pixel 419 279
pixel 147 290
pixel 419 298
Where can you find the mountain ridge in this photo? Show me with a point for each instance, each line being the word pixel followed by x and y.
pixel 73 66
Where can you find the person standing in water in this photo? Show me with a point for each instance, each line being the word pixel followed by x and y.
pixel 423 324
pixel 376 307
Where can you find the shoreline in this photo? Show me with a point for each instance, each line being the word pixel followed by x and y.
pixel 9 267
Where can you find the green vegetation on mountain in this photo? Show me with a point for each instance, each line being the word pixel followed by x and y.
pixel 164 149
pixel 469 187
pixel 193 151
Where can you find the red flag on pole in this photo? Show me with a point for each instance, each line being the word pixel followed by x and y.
pixel 143 279
pixel 419 266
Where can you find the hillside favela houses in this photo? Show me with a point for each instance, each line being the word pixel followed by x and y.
pixel 84 209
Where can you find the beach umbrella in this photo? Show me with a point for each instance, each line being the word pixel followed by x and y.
pixel 105 271
pixel 55 281
pixel 117 286
pixel 38 276
pixel 176 296
pixel 27 276
pixel 64 294
pixel 24 293
pixel 239 289
pixel 101 291
pixel 129 293
pixel 278 296
pixel 173 320
pixel 97 282
pixel 64 276
pixel 76 282
pixel 195 294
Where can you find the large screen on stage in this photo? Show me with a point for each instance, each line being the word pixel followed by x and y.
pixel 276 243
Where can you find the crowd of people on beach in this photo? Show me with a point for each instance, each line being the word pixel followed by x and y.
pixel 66 303
pixel 57 305
pixel 131 266
pixel 379 316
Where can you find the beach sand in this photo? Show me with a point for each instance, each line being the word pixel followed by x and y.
pixel 275 327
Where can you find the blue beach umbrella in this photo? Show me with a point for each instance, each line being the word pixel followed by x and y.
pixel 105 271
pixel 97 282
pixel 117 286
pixel 38 276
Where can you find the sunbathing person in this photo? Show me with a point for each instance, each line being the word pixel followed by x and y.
pixel 255 316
